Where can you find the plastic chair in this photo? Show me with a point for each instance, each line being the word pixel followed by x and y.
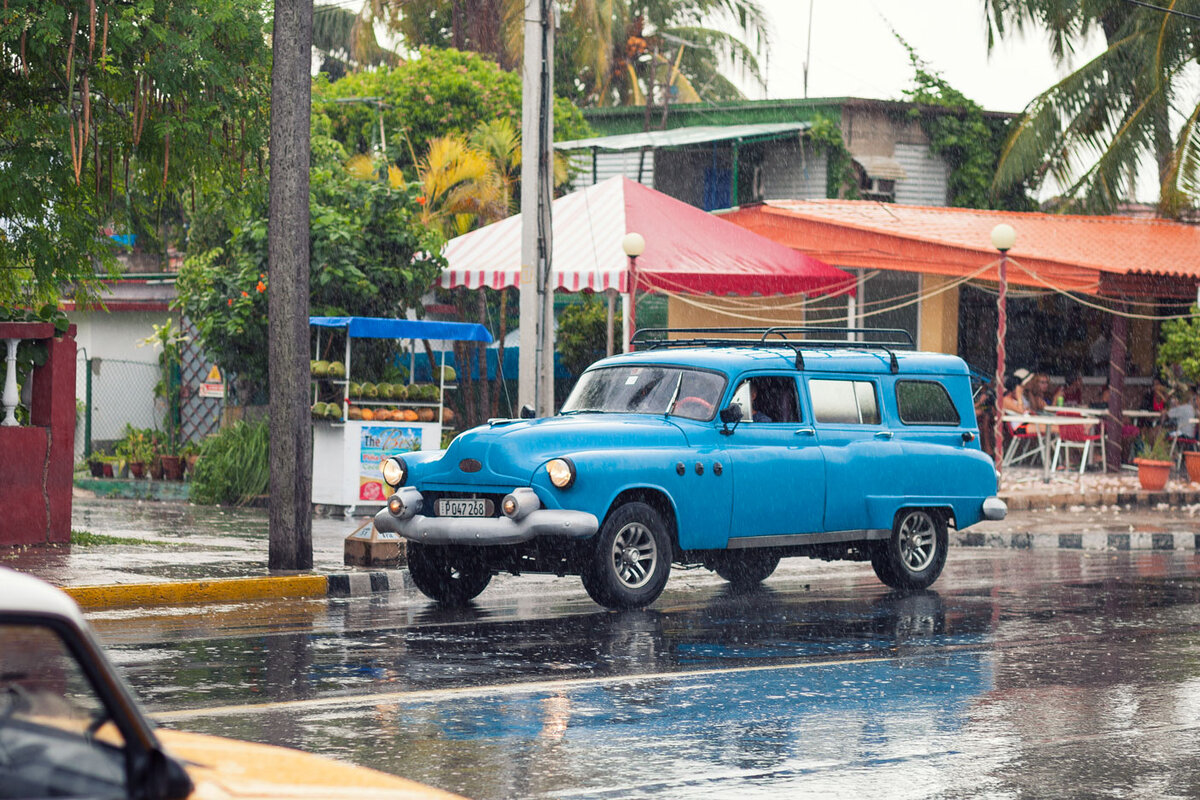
pixel 1023 444
pixel 1076 437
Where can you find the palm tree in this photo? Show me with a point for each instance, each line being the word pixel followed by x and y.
pixel 346 40
pixel 1090 130
pixel 608 51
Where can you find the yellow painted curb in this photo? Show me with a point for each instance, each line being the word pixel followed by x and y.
pixel 211 591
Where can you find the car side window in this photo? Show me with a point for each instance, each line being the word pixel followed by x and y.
pixel 844 402
pixel 768 398
pixel 925 403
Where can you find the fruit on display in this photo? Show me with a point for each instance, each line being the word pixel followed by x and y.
pixel 449 375
pixel 336 369
pixel 399 391
pixel 354 413
pixel 410 415
pixel 370 391
pixel 383 391
pixel 333 411
pixel 368 414
pixel 318 409
pixel 425 414
pixel 448 416
pixel 320 369
pixel 355 389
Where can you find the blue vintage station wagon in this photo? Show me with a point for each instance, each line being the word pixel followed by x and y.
pixel 726 448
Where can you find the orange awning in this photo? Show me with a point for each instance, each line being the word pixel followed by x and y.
pixel 1094 255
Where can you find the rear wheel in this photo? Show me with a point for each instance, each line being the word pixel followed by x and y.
pixel 916 552
pixel 744 569
pixel 451 576
pixel 630 560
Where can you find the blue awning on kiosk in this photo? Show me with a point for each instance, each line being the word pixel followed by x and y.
pixel 384 328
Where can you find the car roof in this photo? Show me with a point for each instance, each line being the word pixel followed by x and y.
pixel 735 360
pixel 25 594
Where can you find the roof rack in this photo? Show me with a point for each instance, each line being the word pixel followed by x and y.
pixel 887 339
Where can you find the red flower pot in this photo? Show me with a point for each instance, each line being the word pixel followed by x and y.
pixel 1152 474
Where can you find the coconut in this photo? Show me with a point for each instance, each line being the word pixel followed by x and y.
pixel 369 390
pixel 337 369
pixel 449 375
pixel 318 409
pixel 321 369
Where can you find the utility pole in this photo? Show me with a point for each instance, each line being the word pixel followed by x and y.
pixel 290 532
pixel 535 385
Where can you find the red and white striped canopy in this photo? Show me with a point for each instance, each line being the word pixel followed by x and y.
pixel 687 249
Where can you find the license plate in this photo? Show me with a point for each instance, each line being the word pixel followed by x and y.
pixel 465 507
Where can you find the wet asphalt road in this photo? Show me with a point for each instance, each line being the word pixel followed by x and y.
pixel 1026 674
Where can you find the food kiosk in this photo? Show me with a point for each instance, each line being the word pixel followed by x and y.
pixel 348 448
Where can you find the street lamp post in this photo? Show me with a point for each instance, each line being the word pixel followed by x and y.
pixel 1003 238
pixel 634 244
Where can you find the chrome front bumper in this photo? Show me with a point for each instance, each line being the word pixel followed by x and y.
pixel 994 508
pixel 410 523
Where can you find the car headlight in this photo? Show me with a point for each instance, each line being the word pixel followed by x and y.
pixel 561 472
pixel 394 471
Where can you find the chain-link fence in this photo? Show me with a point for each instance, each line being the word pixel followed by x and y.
pixel 117 393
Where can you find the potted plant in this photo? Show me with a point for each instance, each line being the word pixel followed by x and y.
pixel 1154 463
pixel 137 450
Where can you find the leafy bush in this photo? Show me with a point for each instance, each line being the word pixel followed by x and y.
pixel 233 466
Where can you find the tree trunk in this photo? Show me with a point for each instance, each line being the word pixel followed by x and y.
pixel 499 385
pixel 485 399
pixel 290 538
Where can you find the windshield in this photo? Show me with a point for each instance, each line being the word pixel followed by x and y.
pixel 625 389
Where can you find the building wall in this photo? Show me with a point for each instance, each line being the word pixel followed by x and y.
pixel 792 172
pixel 928 176
pixel 939 316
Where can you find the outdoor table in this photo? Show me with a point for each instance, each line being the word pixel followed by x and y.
pixel 1082 411
pixel 1042 425
pixel 1133 413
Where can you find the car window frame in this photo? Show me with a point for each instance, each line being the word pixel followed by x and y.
pixel 945 392
pixel 724 377
pixel 797 396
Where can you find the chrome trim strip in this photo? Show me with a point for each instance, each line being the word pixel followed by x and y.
pixel 869 534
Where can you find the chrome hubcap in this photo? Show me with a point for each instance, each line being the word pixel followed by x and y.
pixel 918 541
pixel 634 555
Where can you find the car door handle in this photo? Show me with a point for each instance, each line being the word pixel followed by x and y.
pixel 884 434
pixel 805 432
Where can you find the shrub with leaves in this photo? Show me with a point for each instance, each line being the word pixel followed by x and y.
pixel 233 465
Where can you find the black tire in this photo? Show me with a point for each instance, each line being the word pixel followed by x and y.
pixel 451 576
pixel 913 557
pixel 746 568
pixel 630 559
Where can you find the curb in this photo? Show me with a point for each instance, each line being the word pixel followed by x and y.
pixel 227 590
pixel 1090 540
pixel 1138 498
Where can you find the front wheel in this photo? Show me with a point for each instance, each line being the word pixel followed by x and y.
pixel 913 557
pixel 451 576
pixel 746 569
pixel 630 560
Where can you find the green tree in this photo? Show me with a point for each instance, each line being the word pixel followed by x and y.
pixel 438 93
pixel 1180 347
pixel 582 335
pixel 1090 130
pixel 109 111
pixel 967 140
pixel 369 255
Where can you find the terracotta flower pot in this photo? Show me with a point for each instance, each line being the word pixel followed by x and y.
pixel 1152 474
pixel 97 468
pixel 107 470
pixel 172 468
pixel 137 469
pixel 1191 460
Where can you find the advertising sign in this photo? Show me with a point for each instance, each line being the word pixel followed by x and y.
pixel 377 442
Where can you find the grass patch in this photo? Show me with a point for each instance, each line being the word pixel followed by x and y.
pixel 89 539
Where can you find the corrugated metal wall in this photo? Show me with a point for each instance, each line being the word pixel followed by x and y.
pixel 928 176
pixel 609 165
pixel 792 174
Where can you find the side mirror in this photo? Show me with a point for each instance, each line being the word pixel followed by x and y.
pixel 527 412
pixel 730 415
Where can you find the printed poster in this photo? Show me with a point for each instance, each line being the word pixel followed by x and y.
pixel 376 443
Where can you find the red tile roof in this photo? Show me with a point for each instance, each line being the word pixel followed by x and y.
pixel 1091 254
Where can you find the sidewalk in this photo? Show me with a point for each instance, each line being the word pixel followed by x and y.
pixel 149 552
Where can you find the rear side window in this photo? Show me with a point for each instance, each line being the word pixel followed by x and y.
pixel 843 402
pixel 925 403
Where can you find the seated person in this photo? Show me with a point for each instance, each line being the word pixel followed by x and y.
pixel 756 413
pixel 1071 392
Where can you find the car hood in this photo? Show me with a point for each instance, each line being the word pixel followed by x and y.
pixel 510 450
pixel 227 768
